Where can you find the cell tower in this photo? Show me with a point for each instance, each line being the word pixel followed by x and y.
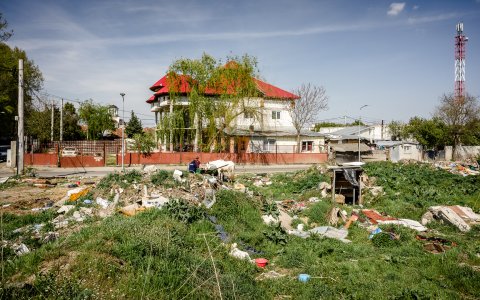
pixel 460 41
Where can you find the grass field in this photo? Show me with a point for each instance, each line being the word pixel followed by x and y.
pixel 175 253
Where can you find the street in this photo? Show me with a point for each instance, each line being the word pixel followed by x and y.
pixel 102 171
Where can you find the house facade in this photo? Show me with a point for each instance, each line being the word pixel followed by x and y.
pixel 266 127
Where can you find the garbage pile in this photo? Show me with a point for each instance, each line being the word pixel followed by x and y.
pixel 460 168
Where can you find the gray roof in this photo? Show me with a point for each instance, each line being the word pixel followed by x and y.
pixel 351 130
pixel 350 147
pixel 393 143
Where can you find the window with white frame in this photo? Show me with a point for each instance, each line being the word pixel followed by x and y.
pixel 275 115
pixel 248 115
pixel 307 146
pixel 407 149
pixel 269 145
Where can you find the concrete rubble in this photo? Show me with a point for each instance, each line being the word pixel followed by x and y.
pixel 459 216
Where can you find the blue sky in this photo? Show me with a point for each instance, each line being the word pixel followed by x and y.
pixel 397 57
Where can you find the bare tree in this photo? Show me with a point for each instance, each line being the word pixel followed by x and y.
pixel 461 115
pixel 304 111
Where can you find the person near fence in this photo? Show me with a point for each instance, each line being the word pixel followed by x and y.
pixel 194 165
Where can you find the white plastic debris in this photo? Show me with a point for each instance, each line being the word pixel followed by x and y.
pixel 237 253
pixel 269 219
pixel 102 202
pixel 20 249
pixel 65 208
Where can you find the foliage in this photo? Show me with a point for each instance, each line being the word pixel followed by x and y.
pixel 160 176
pixel 4 34
pixel 276 234
pixel 134 126
pixel 33 81
pixel 144 143
pixel 97 117
pixel 182 211
pixel 304 111
pixel 209 118
pixel 270 208
pixel 461 117
pixel 292 185
pixel 397 130
pixel 122 180
pixel 71 128
pixel 154 255
pixel 411 188
pixel 320 125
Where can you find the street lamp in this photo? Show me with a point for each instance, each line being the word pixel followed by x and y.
pixel 359 121
pixel 123 130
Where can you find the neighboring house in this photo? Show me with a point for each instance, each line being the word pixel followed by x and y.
pixel 401 150
pixel 370 132
pixel 270 131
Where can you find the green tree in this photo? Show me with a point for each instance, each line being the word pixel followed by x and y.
pixel 98 119
pixel 134 126
pixel 233 84
pixel 430 133
pixel 38 124
pixel 143 143
pixel 71 128
pixel 33 82
pixel 461 117
pixel 397 130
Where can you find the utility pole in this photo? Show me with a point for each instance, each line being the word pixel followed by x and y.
pixel 20 119
pixel 123 130
pixel 61 122
pixel 51 126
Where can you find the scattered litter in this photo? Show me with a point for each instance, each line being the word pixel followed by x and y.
pixel 313 199
pixel 50 237
pixel 415 225
pixel 150 169
pixel 269 275
pixel 261 262
pixel 3 179
pixel 239 187
pixel 339 198
pixel 156 203
pixel 237 253
pixel 177 175
pixel 131 210
pixel 436 245
pixel 76 193
pixel 65 208
pixel 459 216
pixel 353 218
pixel 374 232
pixel 72 185
pixel 459 168
pixel 326 231
pixel 102 202
pixel 304 277
pixel 87 201
pixel 20 249
pixel 269 219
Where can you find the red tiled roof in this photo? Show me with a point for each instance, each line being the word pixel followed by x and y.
pixel 161 87
pixel 271 91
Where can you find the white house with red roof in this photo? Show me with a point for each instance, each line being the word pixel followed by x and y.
pixel 271 132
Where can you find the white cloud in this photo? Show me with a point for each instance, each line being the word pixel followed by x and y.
pixel 396 8
pixel 415 7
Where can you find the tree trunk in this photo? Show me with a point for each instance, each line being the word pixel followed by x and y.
pixel 197 132
pixel 171 125
pixel 298 142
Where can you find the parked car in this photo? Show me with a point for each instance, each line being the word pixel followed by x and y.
pixel 69 151
pixel 3 153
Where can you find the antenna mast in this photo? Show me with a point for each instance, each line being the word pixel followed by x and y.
pixel 460 41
